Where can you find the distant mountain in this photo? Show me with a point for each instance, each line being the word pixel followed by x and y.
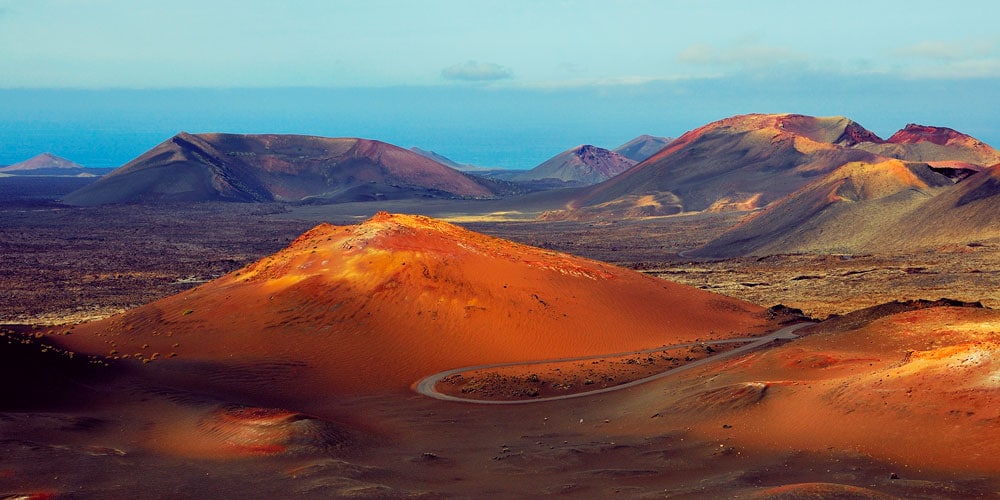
pixel 642 147
pixel 581 165
pixel 739 163
pixel 290 168
pixel 43 161
pixel 938 145
pixel 448 162
pixel 48 164
pixel 748 162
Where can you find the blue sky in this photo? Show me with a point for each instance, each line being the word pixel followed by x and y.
pixel 498 73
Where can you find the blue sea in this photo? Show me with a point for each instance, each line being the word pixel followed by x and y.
pixel 479 125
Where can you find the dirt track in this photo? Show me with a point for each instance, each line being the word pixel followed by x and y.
pixel 428 385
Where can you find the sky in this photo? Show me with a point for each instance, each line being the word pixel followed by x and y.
pixel 505 83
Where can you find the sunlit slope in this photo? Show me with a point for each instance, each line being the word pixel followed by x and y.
pixel 917 388
pixel 379 305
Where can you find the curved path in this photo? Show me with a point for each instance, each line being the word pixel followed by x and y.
pixel 427 385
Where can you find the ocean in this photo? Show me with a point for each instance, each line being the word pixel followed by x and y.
pixel 506 127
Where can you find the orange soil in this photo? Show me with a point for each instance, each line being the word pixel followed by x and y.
pixel 919 388
pixel 377 306
pixel 801 491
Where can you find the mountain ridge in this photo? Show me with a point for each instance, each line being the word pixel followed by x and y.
pixel 278 167
pixel 584 164
pixel 642 147
pixel 747 162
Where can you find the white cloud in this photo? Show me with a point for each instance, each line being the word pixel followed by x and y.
pixel 742 54
pixel 476 71
pixel 968 68
pixel 608 82
pixel 931 49
pixel 969 58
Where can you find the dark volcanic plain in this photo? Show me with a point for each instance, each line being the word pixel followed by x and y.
pixel 64 264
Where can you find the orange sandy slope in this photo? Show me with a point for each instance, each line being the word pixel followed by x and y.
pixel 918 388
pixel 376 306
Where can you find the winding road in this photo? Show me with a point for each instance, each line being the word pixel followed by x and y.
pixel 427 385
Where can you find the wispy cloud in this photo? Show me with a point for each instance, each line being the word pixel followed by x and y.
pixel 608 82
pixel 475 71
pixel 968 68
pixel 931 49
pixel 745 54
pixel 971 58
pixel 937 59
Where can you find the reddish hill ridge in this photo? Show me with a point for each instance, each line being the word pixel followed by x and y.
pixel 251 168
pixel 939 146
pixel 942 136
pixel 377 306
pixel 750 161
pixel 740 163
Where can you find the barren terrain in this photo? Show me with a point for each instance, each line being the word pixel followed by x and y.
pixel 823 285
pixel 893 402
pixel 63 264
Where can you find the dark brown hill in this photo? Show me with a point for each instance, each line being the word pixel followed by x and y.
pixel 292 168
pixel 581 165
pixel 642 147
